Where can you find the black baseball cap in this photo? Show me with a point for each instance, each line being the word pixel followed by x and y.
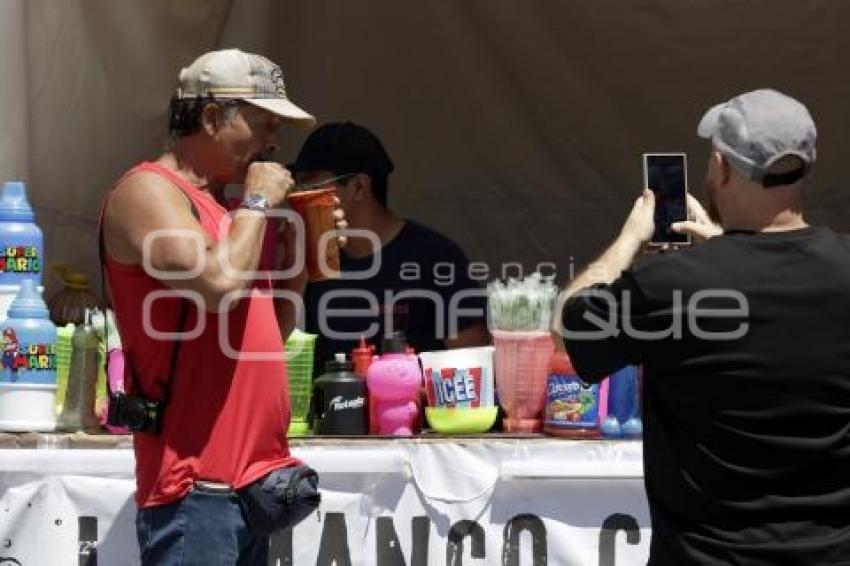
pixel 343 147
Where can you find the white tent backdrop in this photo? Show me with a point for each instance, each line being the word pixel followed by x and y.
pixel 516 127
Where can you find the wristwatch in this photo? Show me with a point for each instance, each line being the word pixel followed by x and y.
pixel 255 201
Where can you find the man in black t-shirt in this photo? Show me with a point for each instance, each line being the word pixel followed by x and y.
pixel 745 344
pixel 406 277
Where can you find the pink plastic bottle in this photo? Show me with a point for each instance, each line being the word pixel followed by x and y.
pixel 394 382
pixel 115 375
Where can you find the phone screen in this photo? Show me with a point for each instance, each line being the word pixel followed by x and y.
pixel 666 175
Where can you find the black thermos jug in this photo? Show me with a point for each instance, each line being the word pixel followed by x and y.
pixel 340 400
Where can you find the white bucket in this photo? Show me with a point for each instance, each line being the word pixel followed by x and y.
pixel 452 375
pixel 26 407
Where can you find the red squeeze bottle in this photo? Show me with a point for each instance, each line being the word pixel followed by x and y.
pixel 362 357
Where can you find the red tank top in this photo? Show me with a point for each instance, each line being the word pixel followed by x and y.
pixel 227 418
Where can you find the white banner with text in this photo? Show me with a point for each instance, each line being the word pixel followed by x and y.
pixel 518 502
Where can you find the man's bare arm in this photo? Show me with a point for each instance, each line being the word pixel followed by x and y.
pixel 617 258
pixel 149 222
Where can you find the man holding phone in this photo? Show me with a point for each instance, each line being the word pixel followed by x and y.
pixel 745 345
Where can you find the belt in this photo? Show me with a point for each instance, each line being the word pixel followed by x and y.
pixel 212 486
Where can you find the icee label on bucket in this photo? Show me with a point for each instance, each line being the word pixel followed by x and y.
pixel 23 362
pixel 456 387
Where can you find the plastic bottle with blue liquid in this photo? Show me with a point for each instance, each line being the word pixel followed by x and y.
pixel 623 405
pixel 21 243
pixel 28 362
pixel 29 339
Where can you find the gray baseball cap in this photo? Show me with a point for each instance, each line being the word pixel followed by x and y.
pixel 756 129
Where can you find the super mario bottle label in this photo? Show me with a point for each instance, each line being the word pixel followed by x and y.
pixel 27 363
pixel 571 403
pixel 19 259
pixel 456 387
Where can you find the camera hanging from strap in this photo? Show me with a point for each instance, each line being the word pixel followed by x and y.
pixel 139 413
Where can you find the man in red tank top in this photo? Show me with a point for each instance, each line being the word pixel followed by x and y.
pixel 175 255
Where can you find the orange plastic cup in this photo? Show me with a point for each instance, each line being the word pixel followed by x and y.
pixel 316 208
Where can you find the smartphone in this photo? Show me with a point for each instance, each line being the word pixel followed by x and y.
pixel 666 174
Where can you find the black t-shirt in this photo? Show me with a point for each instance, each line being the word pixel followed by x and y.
pixel 747 438
pixel 419 273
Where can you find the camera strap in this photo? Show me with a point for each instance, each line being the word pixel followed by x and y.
pixel 181 320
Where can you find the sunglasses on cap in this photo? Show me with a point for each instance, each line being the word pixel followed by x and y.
pixel 320 184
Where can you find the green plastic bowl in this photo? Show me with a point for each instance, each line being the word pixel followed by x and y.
pixel 451 420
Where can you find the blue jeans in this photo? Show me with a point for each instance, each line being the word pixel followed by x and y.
pixel 205 528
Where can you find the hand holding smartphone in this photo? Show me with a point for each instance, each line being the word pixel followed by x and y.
pixel 666 174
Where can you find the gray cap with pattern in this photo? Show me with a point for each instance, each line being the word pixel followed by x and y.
pixel 756 129
pixel 231 73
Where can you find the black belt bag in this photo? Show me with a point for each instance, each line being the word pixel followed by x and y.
pixel 280 500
